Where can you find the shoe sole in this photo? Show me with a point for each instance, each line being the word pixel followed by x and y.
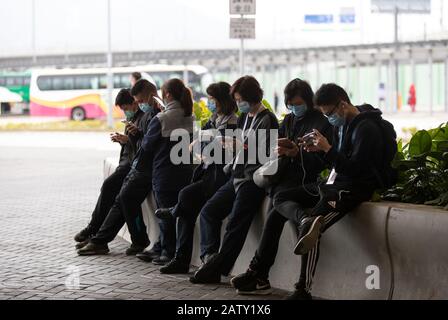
pixel 308 241
pixel 259 292
pixel 177 272
pixel 93 253
pixel 146 259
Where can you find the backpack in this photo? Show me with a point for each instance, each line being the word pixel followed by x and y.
pixel 387 176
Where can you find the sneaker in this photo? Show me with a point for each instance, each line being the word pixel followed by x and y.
pixel 84 234
pixel 81 245
pixel 209 272
pixel 243 279
pixel 149 255
pixel 161 260
pixel 175 266
pixel 134 249
pixel 92 249
pixel 309 233
pixel 258 287
pixel 164 213
pixel 300 294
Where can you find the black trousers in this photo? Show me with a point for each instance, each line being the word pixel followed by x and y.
pixel 293 204
pixel 240 208
pixel 109 191
pixel 167 199
pixel 127 209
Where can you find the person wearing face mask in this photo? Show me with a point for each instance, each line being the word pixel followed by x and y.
pixel 124 208
pixel 154 159
pixel 358 156
pixel 130 142
pixel 208 177
pixel 240 198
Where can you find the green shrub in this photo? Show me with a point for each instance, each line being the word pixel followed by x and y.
pixel 423 169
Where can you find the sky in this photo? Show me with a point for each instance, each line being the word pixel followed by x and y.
pixel 75 26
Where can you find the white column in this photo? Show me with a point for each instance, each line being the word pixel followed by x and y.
pixel 110 76
pixel 317 71
pixel 446 84
pixel 335 63
pixel 358 82
pixel 379 73
pixel 430 76
pixel 390 86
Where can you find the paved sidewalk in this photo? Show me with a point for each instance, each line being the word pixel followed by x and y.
pixel 47 195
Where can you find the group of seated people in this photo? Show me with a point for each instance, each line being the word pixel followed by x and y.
pixel 347 140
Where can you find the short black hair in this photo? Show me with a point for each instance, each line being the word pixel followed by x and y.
pixel 124 97
pixel 301 88
pixel 221 92
pixel 249 89
pixel 143 85
pixel 330 94
pixel 136 75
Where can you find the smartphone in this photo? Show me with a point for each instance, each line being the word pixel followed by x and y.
pixel 308 138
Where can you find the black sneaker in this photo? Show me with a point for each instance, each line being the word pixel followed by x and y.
pixel 84 234
pixel 309 233
pixel 81 245
pixel 300 294
pixel 175 266
pixel 134 249
pixel 164 213
pixel 243 279
pixel 209 272
pixel 161 260
pixel 149 255
pixel 258 287
pixel 92 249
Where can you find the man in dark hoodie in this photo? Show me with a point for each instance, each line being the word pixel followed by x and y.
pixel 355 158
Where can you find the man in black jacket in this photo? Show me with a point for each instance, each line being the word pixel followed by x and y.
pixel 130 141
pixel 358 148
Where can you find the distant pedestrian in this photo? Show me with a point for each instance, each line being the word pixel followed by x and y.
pixel 412 100
pixel 135 76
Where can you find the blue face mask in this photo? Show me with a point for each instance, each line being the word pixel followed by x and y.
pixel 129 114
pixel 145 107
pixel 299 110
pixel 336 120
pixel 243 106
pixel 211 105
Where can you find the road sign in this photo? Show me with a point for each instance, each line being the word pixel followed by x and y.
pixel 403 6
pixel 318 18
pixel 242 28
pixel 242 6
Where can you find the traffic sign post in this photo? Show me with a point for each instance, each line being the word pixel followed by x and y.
pixel 242 28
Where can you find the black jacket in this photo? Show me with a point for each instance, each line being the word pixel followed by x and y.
pixel 360 148
pixel 212 175
pixel 128 150
pixel 292 128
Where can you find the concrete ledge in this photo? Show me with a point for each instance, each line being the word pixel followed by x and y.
pixel 406 243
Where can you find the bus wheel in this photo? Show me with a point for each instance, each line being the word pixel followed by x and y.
pixel 78 114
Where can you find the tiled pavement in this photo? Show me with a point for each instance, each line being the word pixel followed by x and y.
pixel 46 196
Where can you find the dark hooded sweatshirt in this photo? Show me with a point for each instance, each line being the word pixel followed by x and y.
pixel 357 148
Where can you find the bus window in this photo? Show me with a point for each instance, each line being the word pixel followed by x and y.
pixel 125 81
pixel 26 81
pixel 103 82
pixel 58 83
pixel 69 83
pixel 10 81
pixel 82 82
pixel 94 82
pixel 2 82
pixel 117 81
pixel 44 83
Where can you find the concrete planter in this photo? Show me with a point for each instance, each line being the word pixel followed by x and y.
pixel 402 246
